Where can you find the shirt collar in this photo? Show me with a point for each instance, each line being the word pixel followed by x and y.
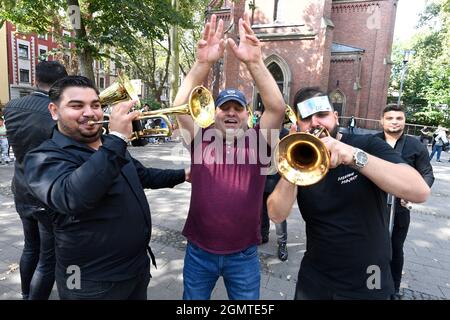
pixel 65 141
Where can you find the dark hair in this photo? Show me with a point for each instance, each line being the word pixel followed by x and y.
pixel 307 94
pixel 47 72
pixel 58 87
pixel 393 107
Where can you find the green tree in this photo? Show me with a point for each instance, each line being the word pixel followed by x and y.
pixel 426 87
pixel 119 24
pixel 152 63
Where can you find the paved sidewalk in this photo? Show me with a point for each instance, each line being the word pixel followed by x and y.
pixel 427 248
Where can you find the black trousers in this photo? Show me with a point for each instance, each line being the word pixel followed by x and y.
pixel 281 228
pixel 37 262
pixel 132 289
pixel 399 233
pixel 309 289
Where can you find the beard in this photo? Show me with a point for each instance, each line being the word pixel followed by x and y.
pixel 334 132
pixel 78 134
pixel 399 130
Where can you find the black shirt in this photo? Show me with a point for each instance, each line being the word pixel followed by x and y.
pixel 347 227
pixel 103 223
pixel 28 124
pixel 416 155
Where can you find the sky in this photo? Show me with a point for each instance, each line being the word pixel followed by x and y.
pixel 407 17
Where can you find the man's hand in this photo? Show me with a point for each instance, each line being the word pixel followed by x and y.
pixel 249 49
pixel 212 45
pixel 340 153
pixel 120 118
pixel 405 204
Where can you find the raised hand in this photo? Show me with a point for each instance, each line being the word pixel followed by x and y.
pixel 120 118
pixel 249 49
pixel 212 45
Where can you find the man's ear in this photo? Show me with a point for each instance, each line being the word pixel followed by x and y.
pixel 336 115
pixel 53 108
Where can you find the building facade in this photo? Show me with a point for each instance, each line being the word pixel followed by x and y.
pixel 342 47
pixel 25 50
pixel 4 85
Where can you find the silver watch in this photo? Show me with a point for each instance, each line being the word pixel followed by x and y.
pixel 119 135
pixel 360 158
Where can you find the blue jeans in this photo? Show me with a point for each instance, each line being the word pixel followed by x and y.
pixel 37 263
pixel 240 272
pixel 4 146
pixel 438 150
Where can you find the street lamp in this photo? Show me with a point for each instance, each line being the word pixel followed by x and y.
pixel 406 55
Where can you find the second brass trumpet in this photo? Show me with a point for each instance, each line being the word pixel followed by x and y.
pixel 200 107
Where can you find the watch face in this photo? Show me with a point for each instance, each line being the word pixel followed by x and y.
pixel 361 157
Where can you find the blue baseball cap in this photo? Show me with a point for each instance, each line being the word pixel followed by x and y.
pixel 231 95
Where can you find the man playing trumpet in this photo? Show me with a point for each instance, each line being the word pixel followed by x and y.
pixel 102 222
pixel 347 247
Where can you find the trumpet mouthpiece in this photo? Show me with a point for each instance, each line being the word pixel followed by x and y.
pixel 91 122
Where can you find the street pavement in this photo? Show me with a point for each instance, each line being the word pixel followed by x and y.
pixel 427 248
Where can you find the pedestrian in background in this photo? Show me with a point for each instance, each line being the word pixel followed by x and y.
pixel 28 124
pixel 415 154
pixel 440 138
pixel 4 145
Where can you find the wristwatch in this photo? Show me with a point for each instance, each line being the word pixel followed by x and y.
pixel 119 135
pixel 360 158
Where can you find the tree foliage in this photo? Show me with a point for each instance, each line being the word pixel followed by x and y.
pixel 119 24
pixel 426 91
pixel 151 63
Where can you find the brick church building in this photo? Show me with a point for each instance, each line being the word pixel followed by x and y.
pixel 342 47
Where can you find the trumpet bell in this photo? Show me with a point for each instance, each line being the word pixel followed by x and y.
pixel 302 158
pixel 289 115
pixel 121 90
pixel 251 115
pixel 201 106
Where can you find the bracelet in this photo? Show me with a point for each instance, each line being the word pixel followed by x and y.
pixel 119 135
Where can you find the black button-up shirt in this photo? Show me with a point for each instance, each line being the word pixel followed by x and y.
pixel 415 154
pixel 103 223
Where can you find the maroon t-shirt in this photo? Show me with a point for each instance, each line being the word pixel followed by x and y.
pixel 227 192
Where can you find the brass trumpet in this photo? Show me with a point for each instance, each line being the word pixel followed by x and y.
pixel 250 123
pixel 302 157
pixel 200 107
pixel 141 132
pixel 121 90
pixel 289 115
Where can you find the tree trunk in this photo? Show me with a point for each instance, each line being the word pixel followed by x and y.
pixel 175 61
pixel 85 59
pixel 86 64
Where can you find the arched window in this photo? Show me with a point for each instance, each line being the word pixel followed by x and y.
pixel 277 74
pixel 337 99
pixel 282 75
